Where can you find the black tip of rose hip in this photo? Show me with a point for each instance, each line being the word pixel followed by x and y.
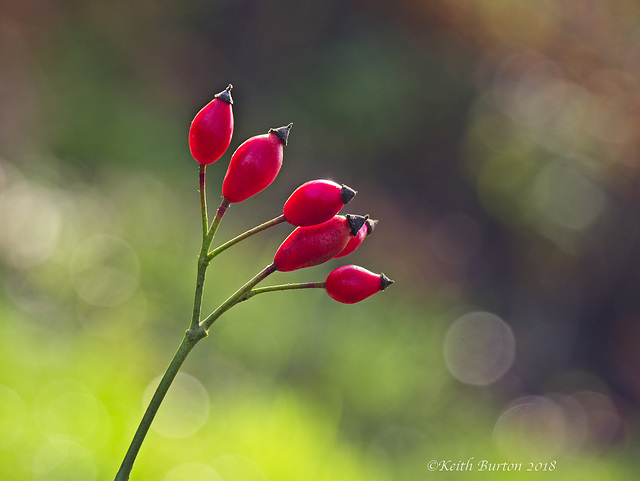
pixel 225 94
pixel 356 222
pixel 371 224
pixel 347 194
pixel 282 133
pixel 384 282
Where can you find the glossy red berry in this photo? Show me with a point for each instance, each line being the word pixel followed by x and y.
pixel 312 245
pixel 351 284
pixel 255 164
pixel 211 130
pixel 355 241
pixel 316 201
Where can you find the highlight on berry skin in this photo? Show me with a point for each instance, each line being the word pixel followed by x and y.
pixel 255 164
pixel 350 284
pixel 212 128
pixel 316 201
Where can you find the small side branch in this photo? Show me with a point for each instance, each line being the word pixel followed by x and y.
pixel 278 220
pixel 237 296
pixel 284 287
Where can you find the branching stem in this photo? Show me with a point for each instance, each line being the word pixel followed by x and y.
pixel 203 261
pixel 237 296
pixel 198 329
pixel 191 338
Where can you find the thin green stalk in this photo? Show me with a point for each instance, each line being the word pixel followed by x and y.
pixel 198 330
pixel 203 261
pixel 203 200
pixel 224 205
pixel 277 220
pixel 283 287
pixel 190 339
pixel 237 296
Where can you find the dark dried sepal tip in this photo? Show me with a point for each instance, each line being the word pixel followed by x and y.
pixel 356 222
pixel 282 133
pixel 371 224
pixel 225 94
pixel 384 282
pixel 347 194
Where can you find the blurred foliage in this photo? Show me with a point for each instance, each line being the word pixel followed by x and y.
pixel 495 141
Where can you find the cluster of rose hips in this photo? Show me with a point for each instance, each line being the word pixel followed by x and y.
pixel 321 234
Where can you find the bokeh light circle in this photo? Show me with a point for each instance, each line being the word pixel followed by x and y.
pixel 185 408
pixel 31 221
pixel 58 459
pixel 531 426
pixel 13 415
pixel 234 467
pixel 104 270
pixel 192 472
pixel 479 348
pixel 77 415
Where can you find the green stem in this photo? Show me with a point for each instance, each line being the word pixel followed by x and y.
pixel 190 339
pixel 237 296
pixel 203 200
pixel 203 261
pixel 283 287
pixel 278 220
pixel 224 205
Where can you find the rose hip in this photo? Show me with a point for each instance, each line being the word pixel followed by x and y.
pixel 351 284
pixel 355 242
pixel 316 201
pixel 255 164
pixel 211 129
pixel 312 245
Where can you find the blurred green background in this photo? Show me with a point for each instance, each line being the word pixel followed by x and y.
pixel 497 143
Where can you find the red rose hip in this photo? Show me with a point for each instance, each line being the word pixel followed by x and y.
pixel 211 129
pixel 316 201
pixel 355 241
pixel 255 164
pixel 312 245
pixel 351 284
